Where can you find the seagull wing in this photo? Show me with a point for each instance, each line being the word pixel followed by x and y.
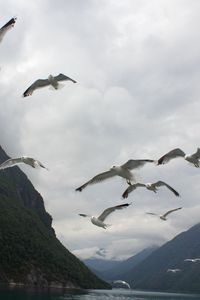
pixel 109 210
pixel 98 178
pixel 62 77
pixel 37 162
pixel 196 154
pixel 131 188
pixel 7 27
pixel 162 183
pixel 170 155
pixel 36 85
pixel 136 163
pixel 11 162
pixel 170 211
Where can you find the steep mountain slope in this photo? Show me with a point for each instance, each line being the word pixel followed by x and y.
pixel 152 273
pixel 30 253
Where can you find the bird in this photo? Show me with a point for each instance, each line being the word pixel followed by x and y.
pixel 173 270
pixel 23 159
pixel 122 171
pixel 193 260
pixel 6 28
pixel 191 158
pixel 150 186
pixel 51 80
pixel 99 221
pixel 163 217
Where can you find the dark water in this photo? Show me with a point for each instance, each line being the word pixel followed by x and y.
pixel 116 294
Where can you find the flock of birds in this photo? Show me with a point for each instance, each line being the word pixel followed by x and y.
pixel 123 170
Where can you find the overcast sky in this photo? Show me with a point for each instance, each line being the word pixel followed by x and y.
pixel 137 64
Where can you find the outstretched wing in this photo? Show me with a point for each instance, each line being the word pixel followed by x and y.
pixel 162 183
pixel 62 77
pixel 10 162
pixel 131 188
pixel 98 178
pixel 136 163
pixel 40 83
pixel 109 210
pixel 37 162
pixel 7 27
pixel 196 155
pixel 171 211
pixel 171 155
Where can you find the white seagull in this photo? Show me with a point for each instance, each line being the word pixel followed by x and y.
pixel 193 260
pixel 163 217
pixel 51 80
pixel 191 158
pixel 7 27
pixel 149 186
pixel 99 221
pixel 122 171
pixel 173 270
pixel 24 159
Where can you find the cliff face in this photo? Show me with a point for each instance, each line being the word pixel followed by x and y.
pixel 30 253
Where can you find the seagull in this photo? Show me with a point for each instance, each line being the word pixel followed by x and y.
pixel 24 159
pixel 122 171
pixel 173 270
pixel 150 186
pixel 99 221
pixel 163 217
pixel 7 27
pixel 191 158
pixel 193 260
pixel 51 80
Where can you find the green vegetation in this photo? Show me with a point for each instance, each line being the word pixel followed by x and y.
pixel 30 253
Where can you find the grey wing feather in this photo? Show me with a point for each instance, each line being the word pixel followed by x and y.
pixel 131 188
pixel 10 162
pixel 62 77
pixel 36 85
pixel 171 155
pixel 98 178
pixel 196 154
pixel 136 163
pixel 162 183
pixel 6 27
pixel 170 211
pixel 109 210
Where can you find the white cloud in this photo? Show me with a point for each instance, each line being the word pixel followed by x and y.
pixel 136 63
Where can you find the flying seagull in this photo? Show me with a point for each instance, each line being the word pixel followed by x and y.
pixel 163 217
pixel 99 221
pixel 191 158
pixel 193 260
pixel 122 171
pixel 7 27
pixel 173 270
pixel 51 80
pixel 150 186
pixel 24 159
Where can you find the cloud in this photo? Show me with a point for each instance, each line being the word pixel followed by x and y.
pixel 136 64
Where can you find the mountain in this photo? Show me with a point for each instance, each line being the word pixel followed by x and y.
pixel 114 269
pixel 151 273
pixel 30 253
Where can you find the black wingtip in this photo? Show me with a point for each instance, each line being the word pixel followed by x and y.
pixel 78 189
pixel 125 195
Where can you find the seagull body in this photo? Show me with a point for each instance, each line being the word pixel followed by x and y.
pixel 51 80
pixel 7 27
pixel 24 159
pixel 191 158
pixel 149 186
pixel 173 270
pixel 99 221
pixel 193 260
pixel 123 171
pixel 163 217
